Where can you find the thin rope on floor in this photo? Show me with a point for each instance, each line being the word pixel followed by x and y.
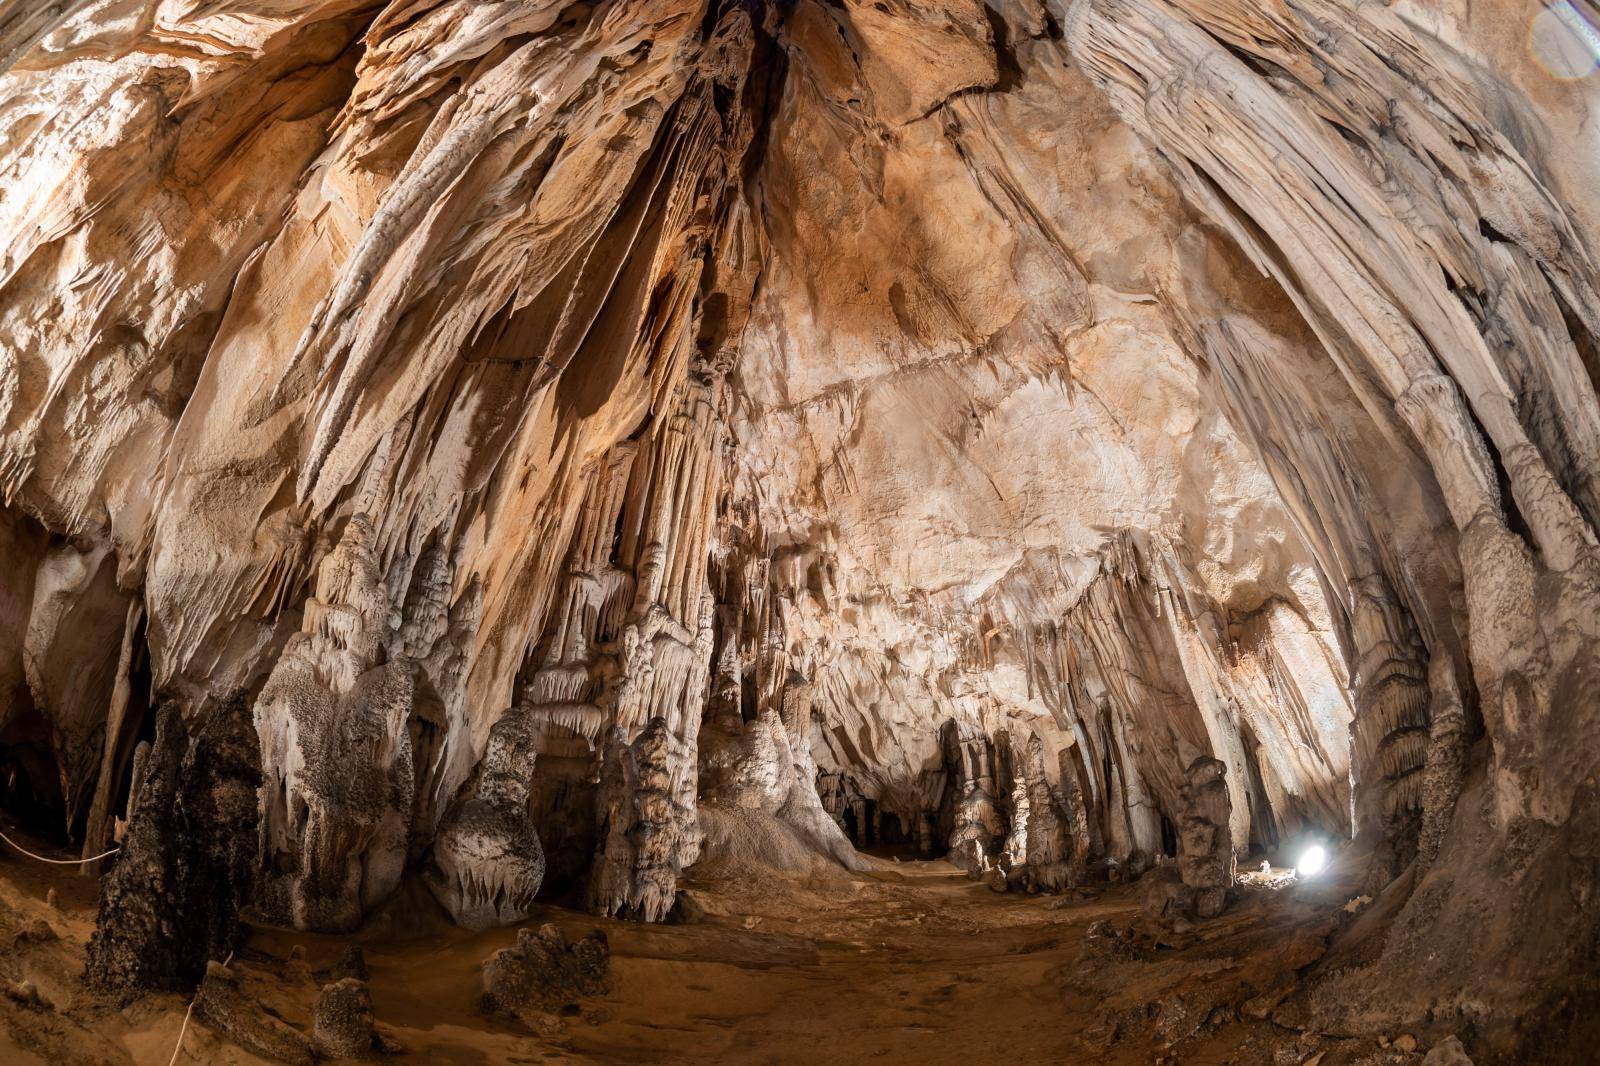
pixel 58 862
pixel 184 1028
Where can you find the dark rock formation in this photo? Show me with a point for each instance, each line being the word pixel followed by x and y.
pixel 544 973
pixel 219 826
pixel 1205 849
pixel 342 1023
pixel 176 891
pixel 141 913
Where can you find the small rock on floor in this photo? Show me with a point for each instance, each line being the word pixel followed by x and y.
pixel 1448 1052
pixel 343 1019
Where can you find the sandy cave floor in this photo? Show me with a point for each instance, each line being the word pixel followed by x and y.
pixel 913 963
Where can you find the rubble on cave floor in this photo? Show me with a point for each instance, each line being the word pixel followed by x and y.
pixel 911 962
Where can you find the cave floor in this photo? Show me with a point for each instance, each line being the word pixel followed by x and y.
pixel 911 963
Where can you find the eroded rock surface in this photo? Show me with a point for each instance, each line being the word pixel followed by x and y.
pixel 594 437
pixel 177 891
pixel 544 973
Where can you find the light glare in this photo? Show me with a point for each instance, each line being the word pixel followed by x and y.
pixel 1564 42
pixel 1312 860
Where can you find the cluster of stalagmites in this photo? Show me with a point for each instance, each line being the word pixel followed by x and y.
pixel 992 806
pixel 343 1023
pixel 544 977
pixel 351 719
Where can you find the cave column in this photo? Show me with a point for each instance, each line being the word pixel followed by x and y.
pixel 661 673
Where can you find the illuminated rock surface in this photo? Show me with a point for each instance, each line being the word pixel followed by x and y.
pixel 673 461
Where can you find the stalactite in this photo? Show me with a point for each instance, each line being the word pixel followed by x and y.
pixel 601 438
pixel 1361 171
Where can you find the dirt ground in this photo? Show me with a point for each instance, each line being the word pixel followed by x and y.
pixel 913 963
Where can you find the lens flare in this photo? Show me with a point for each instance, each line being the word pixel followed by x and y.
pixel 1312 861
pixel 1564 42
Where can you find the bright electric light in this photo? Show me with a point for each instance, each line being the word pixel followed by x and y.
pixel 1312 860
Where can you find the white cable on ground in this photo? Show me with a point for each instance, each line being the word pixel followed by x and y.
pixel 183 1029
pixel 57 862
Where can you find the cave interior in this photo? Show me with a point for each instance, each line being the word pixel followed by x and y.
pixel 763 530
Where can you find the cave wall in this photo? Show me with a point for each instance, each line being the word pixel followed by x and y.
pixel 969 417
pixel 576 431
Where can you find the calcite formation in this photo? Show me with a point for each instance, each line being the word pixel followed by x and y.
pixel 544 973
pixel 187 872
pixel 487 863
pixel 977 829
pixel 1205 850
pixel 1053 859
pixel 582 440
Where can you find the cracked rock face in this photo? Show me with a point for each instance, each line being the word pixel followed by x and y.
pixel 595 438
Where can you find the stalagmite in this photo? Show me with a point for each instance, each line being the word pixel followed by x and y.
pixel 1049 855
pixel 646 837
pixel 977 827
pixel 1205 852
pixel 336 750
pixel 175 896
pixel 140 908
pixel 544 973
pixel 487 863
pixel 343 1023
